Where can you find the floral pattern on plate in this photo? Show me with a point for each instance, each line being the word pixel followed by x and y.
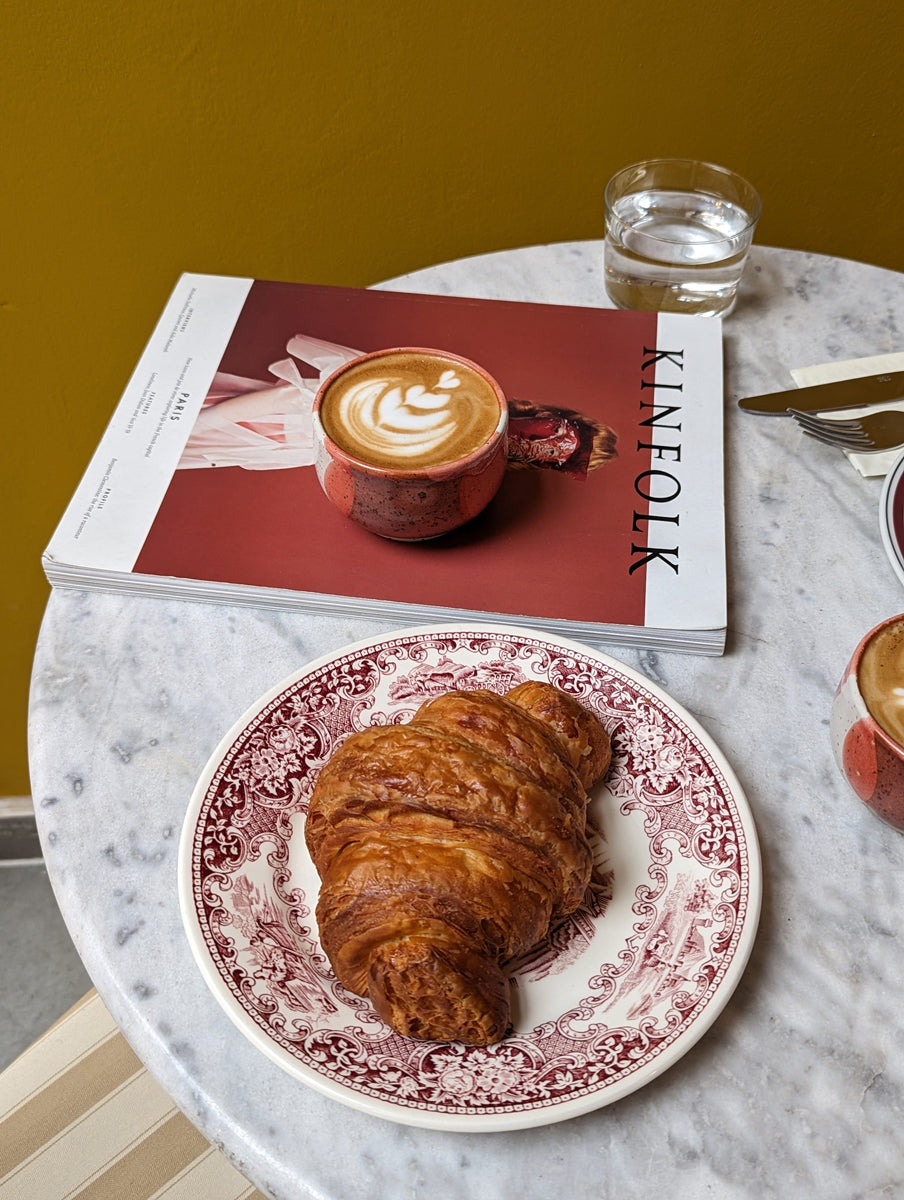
pixel 613 997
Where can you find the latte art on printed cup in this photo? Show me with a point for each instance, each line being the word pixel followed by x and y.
pixel 410 411
pixel 410 443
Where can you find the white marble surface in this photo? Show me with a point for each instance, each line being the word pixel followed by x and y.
pixel 798 1089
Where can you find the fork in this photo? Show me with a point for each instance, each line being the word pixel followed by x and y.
pixel 878 431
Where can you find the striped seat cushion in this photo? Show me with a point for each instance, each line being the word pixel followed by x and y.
pixel 81 1118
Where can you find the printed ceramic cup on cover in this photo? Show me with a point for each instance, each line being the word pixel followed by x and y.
pixel 871 758
pixel 410 442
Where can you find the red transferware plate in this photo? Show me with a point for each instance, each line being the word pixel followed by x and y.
pixel 616 995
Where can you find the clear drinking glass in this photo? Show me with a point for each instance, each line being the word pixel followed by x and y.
pixel 677 236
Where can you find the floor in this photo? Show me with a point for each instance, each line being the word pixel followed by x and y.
pixel 42 975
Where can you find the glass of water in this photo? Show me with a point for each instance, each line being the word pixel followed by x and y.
pixel 677 236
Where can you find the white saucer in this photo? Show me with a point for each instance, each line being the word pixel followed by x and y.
pixel 891 516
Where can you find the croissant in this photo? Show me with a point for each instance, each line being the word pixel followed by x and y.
pixel 450 844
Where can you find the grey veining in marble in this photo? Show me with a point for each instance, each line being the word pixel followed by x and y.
pixel 798 1088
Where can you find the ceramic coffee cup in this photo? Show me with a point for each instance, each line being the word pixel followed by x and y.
pixel 410 442
pixel 867 723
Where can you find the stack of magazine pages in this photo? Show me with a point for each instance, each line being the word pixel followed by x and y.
pixel 609 526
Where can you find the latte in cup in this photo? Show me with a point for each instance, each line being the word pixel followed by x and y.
pixel 867 721
pixel 880 677
pixel 410 443
pixel 410 410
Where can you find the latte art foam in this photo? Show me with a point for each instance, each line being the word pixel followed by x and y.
pixel 880 678
pixel 410 411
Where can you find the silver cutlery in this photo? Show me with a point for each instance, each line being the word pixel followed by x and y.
pixel 823 397
pixel 877 431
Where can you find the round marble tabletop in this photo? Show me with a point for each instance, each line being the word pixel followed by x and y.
pixel 798 1087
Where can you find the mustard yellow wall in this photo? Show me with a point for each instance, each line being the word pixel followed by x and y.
pixel 352 140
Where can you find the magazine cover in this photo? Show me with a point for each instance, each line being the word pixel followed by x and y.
pixel 609 523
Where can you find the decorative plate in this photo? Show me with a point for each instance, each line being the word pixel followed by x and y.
pixel 614 997
pixel 891 516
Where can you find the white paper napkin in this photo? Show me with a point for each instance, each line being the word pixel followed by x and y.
pixel 855 368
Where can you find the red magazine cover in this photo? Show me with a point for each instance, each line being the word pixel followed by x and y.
pixel 608 525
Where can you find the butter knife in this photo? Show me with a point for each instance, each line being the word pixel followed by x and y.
pixel 823 397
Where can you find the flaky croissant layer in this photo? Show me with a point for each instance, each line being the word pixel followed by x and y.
pixel 449 844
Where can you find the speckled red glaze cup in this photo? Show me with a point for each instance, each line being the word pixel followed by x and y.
pixel 870 758
pixel 380 491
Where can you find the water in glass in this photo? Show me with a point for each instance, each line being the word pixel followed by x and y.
pixel 675 251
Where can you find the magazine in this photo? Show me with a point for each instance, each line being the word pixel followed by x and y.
pixel 609 526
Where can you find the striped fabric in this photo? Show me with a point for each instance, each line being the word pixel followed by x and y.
pixel 81 1119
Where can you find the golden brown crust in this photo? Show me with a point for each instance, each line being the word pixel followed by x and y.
pixel 446 846
pixel 441 991
pixel 583 737
pixel 508 731
pixel 387 776
pixel 377 889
